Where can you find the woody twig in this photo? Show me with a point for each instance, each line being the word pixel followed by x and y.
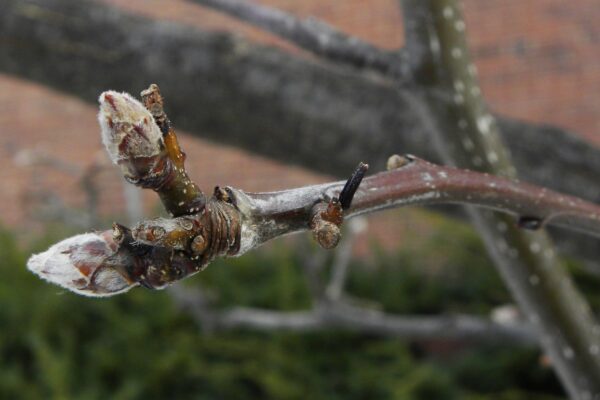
pixel 155 253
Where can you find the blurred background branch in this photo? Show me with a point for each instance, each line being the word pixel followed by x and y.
pixel 340 316
pixel 315 36
pixel 566 326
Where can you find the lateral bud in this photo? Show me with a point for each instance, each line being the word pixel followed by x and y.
pixel 325 223
pixel 396 161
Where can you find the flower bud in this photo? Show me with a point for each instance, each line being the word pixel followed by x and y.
pixel 86 264
pixel 129 133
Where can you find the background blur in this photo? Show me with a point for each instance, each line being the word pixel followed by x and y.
pixel 538 61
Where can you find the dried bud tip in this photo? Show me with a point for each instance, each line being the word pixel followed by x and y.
pixel 128 129
pixel 79 264
pixel 347 193
pixel 153 100
pixel 152 90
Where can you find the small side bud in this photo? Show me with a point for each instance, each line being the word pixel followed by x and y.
pixel 327 234
pixel 396 161
pixel 175 233
pixel 82 265
pixel 325 223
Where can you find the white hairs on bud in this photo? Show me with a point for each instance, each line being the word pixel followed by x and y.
pixel 77 264
pixel 127 127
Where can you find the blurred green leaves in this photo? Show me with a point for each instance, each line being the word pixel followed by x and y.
pixel 56 345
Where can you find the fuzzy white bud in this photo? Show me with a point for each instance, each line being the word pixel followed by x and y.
pixel 128 129
pixel 79 265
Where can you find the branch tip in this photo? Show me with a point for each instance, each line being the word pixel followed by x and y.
pixel 153 101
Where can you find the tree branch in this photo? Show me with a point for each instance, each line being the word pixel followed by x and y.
pixel 315 36
pixel 419 182
pixel 345 317
pixel 467 135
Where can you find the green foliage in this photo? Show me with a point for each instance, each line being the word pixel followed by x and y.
pixel 259 280
pixel 56 345
pixel 449 272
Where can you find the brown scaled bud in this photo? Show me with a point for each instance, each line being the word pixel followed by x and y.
pixel 325 223
pixel 327 234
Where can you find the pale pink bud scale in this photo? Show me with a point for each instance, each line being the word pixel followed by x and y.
pixel 78 264
pixel 128 129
